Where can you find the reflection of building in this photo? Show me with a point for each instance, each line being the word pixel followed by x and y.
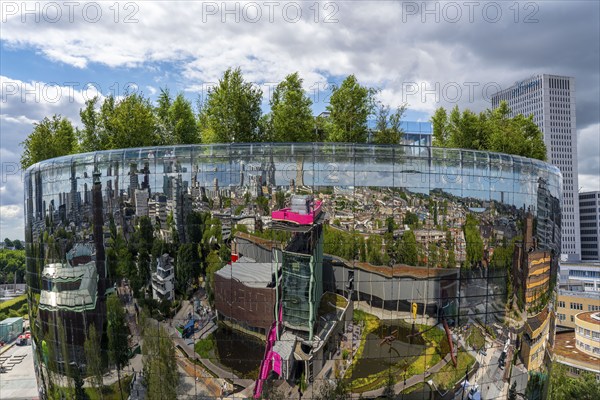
pixel 245 294
pixel 551 100
pixel 302 276
pixel 548 218
pixel 71 286
pixel 141 202
pixel 394 288
pixel 532 270
pixel 70 297
pixel 360 186
pixel 589 217
pixel 163 280
pixel 579 351
pixel 534 340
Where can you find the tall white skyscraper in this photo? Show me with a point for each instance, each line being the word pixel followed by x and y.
pixel 551 100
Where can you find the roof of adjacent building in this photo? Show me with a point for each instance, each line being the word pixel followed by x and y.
pixel 397 270
pixel 579 294
pixel 592 317
pixel 566 352
pixel 249 272
pixel 10 321
pixel 264 243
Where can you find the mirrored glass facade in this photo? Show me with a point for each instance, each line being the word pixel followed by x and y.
pixel 290 269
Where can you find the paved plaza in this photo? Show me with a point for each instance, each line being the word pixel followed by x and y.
pixel 18 382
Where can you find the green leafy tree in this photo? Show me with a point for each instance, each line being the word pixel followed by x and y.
pixel 474 242
pixel 213 264
pixel 50 138
pixel 439 122
pixel 491 130
pixel 159 363
pixel 131 123
pixel 407 249
pixel 349 107
pixel 232 110
pixel 291 113
pixel 411 219
pixel 177 123
pixel 566 387
pixel 79 391
pixel 387 126
pixel 388 391
pixel 67 366
pixel 185 269
pixel 90 138
pixel 12 264
pixel 93 359
pixel 117 332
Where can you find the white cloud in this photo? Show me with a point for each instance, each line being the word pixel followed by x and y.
pixel 12 222
pixel 151 90
pixel 20 119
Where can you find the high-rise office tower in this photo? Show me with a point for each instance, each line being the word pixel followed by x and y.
pixel 589 215
pixel 551 100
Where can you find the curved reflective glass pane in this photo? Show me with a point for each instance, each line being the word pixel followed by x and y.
pixel 284 268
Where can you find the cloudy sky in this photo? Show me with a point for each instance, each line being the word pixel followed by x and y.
pixel 55 55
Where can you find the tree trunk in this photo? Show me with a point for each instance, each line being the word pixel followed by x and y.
pixel 119 379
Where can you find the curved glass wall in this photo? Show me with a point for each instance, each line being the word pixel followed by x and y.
pixel 408 268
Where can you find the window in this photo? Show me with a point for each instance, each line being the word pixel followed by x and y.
pixel 577 306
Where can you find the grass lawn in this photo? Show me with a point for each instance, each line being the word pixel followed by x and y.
pixel 111 392
pixel 205 347
pixel 437 348
pixel 476 338
pixel 448 376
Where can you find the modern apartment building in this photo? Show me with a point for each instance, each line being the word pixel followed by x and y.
pixel 589 217
pixel 551 101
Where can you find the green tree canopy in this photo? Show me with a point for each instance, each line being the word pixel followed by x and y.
pixel 232 110
pixel 51 137
pixel 176 121
pixel 387 125
pixel 350 106
pixel 565 387
pixel 132 123
pixel 407 249
pixel 159 363
pixel 291 113
pixel 491 130
pixel 117 333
